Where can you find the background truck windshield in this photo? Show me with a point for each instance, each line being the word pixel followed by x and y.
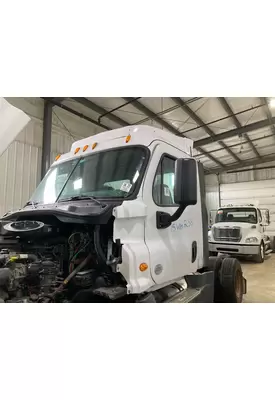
pixel 107 174
pixel 248 215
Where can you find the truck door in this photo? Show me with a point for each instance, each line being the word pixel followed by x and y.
pixel 177 250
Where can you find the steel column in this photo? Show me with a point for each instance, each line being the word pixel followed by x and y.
pixel 47 136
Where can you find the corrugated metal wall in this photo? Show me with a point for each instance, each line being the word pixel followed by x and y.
pixel 20 164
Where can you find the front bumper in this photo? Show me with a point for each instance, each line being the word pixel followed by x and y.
pixel 234 248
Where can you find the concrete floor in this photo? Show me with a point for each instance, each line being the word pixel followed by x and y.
pixel 260 280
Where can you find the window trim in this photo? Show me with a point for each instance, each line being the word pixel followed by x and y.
pixel 173 158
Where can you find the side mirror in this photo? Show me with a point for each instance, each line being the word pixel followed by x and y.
pixel 185 190
pixel 267 217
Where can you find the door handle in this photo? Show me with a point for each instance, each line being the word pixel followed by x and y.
pixel 194 251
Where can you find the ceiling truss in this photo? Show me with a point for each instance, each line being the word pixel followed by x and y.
pixel 108 117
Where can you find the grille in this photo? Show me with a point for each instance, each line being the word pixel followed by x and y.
pixel 227 234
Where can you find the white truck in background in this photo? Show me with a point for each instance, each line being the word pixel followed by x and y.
pixel 240 230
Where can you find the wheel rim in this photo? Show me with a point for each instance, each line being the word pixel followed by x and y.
pixel 262 251
pixel 239 287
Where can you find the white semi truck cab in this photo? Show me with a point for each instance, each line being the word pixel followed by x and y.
pixel 120 217
pixel 240 230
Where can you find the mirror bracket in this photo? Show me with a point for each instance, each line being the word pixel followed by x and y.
pixel 164 220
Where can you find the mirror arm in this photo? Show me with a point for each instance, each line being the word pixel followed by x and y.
pixel 164 220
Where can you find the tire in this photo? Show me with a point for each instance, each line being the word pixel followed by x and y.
pixel 230 288
pixel 260 256
pixel 213 254
pixel 214 264
pixel 272 243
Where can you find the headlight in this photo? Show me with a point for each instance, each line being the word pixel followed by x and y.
pixel 251 240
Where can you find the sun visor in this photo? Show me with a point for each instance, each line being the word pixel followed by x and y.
pixel 12 121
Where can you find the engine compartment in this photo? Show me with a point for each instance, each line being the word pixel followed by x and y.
pixel 52 261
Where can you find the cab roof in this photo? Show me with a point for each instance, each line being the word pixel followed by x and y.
pixel 239 206
pixel 137 134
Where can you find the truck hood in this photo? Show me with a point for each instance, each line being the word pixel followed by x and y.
pixel 81 211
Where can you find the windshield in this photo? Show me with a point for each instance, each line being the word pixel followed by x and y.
pixel 107 174
pixel 248 215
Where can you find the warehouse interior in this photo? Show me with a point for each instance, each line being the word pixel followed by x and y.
pixel 233 137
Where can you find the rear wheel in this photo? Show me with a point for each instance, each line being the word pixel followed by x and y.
pixel 261 253
pixel 214 264
pixel 230 288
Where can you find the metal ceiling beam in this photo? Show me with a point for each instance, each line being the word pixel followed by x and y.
pixel 199 121
pixel 237 123
pixel 268 114
pixel 170 109
pixel 231 146
pixel 221 119
pixel 246 163
pixel 100 110
pixel 116 109
pixel 150 114
pixel 74 112
pixel 236 132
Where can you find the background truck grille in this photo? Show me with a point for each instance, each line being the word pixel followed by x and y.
pixel 227 234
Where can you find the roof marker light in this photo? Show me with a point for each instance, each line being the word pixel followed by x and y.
pixel 57 157
pixel 76 150
pixel 85 147
pixel 94 146
pixel 128 138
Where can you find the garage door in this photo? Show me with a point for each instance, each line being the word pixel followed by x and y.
pixel 260 193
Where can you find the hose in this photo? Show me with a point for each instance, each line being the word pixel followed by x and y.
pixel 71 275
pixel 98 248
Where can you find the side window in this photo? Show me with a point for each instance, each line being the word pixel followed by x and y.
pixel 163 187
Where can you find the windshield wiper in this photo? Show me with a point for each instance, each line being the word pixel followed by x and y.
pixel 31 203
pixel 81 197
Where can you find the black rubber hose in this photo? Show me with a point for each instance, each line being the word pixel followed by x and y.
pixel 32 257
pixel 98 248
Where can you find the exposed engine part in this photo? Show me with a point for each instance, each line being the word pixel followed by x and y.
pixel 47 263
